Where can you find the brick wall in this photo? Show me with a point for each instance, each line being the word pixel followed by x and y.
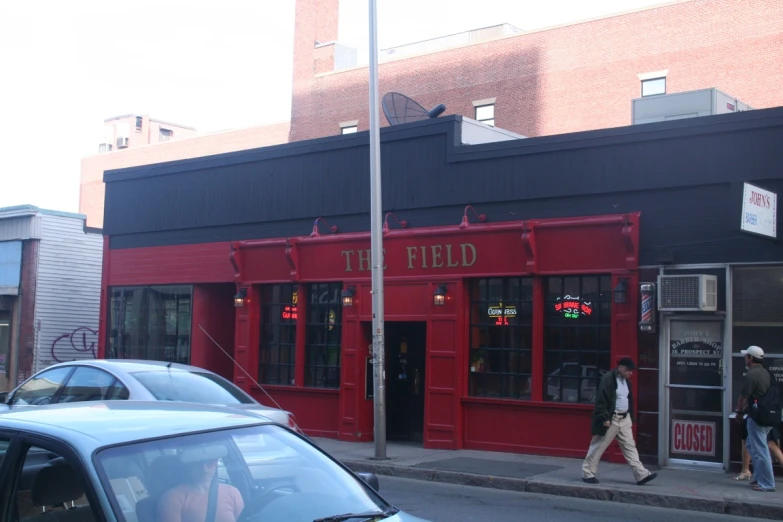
pixel 570 78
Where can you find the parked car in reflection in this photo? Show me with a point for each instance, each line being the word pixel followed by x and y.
pixel 578 383
pixel 133 461
pixel 135 380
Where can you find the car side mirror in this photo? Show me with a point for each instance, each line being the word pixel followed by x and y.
pixel 371 479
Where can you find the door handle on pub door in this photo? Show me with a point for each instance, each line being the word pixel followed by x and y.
pixel 416 382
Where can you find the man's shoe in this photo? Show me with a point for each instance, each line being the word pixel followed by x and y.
pixel 591 480
pixel 647 479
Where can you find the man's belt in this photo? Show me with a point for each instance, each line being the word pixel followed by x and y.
pixel 622 415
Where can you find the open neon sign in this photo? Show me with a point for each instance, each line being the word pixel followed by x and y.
pixel 572 307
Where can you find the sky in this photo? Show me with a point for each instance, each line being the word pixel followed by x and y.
pixel 65 66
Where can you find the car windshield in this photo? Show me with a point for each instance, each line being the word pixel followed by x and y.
pixel 189 386
pixel 264 473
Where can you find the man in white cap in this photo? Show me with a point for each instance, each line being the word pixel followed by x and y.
pixel 757 382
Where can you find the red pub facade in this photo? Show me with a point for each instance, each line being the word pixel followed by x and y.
pixel 512 274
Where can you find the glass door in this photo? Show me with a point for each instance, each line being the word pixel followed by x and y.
pixel 695 387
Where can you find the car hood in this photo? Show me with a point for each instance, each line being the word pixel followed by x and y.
pixel 404 517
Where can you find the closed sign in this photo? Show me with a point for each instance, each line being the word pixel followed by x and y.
pixel 693 437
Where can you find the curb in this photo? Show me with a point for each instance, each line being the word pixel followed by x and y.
pixel 663 500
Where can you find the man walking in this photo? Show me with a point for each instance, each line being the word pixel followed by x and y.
pixel 613 418
pixel 757 382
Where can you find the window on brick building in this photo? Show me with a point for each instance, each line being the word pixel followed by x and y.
pixel 277 358
pixel 165 134
pixel 486 114
pixel 349 130
pixel 653 87
pixel 577 336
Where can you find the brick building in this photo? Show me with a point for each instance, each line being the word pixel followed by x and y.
pixel 575 77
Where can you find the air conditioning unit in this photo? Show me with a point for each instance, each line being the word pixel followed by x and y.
pixel 122 143
pixel 687 293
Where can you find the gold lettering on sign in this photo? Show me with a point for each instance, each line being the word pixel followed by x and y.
pixel 347 255
pixel 450 263
pixel 364 260
pixel 423 256
pixel 464 247
pixel 437 258
pixel 411 256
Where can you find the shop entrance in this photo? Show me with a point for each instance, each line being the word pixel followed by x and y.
pixel 406 344
pixel 694 394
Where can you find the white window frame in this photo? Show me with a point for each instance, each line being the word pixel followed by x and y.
pixel 480 104
pixel 349 127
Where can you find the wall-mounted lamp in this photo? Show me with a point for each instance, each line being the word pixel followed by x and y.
pixel 402 223
pixel 439 296
pixel 465 223
pixel 621 292
pixel 348 294
pixel 239 299
pixel 315 232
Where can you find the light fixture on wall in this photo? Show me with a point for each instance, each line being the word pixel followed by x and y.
pixel 239 298
pixel 621 292
pixel 348 294
pixel 439 296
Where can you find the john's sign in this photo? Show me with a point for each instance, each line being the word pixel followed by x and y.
pixel 459 255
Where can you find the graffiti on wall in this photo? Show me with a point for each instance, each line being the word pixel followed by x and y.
pixel 82 340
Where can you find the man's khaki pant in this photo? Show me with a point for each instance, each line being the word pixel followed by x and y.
pixel 620 429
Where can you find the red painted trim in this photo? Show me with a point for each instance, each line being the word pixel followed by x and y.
pixel 323 434
pixel 300 357
pixel 539 313
pixel 530 405
pixel 295 390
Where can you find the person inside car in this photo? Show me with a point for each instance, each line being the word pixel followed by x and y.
pixel 190 501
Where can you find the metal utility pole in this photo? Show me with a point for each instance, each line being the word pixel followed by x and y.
pixel 376 245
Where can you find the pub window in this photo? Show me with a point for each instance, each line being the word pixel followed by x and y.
pixel 324 327
pixel 501 337
pixel 277 358
pixel 577 336
pixel 757 312
pixel 150 322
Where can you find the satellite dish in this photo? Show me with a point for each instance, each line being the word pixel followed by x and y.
pixel 400 109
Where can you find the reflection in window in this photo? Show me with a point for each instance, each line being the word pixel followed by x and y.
pixel 92 384
pixel 42 388
pixel 278 334
pixel 5 340
pixel 501 337
pixel 757 311
pixel 324 328
pixel 577 336
pixel 151 323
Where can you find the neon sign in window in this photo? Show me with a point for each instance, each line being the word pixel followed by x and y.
pixel 572 307
pixel 289 311
pixel 502 313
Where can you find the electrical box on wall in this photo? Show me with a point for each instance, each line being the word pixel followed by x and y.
pixel 688 293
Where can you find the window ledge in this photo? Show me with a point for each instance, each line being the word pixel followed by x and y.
pixel 295 389
pixel 528 405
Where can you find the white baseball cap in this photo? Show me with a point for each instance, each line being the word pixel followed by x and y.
pixel 754 351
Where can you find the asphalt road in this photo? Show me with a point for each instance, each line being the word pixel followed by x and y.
pixel 445 502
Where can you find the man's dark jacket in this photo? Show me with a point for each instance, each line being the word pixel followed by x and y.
pixel 605 401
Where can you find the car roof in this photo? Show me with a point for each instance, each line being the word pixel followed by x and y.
pixel 133 365
pixel 90 425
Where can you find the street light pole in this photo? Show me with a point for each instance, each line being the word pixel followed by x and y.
pixel 376 245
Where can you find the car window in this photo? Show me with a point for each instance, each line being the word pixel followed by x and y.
pixel 87 384
pixel 185 386
pixel 41 388
pixel 272 473
pixel 45 484
pixel 5 441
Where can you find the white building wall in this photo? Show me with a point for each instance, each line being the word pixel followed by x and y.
pixel 68 297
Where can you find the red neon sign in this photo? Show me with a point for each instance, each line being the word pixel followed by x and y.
pixel 289 312
pixel 573 307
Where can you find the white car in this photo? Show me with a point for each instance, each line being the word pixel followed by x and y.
pixel 136 380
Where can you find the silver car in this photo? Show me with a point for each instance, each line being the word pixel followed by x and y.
pixel 136 380
pixel 135 461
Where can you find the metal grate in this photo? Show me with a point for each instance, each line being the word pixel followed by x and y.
pixel 679 293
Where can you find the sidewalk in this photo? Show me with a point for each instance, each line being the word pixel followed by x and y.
pixel 713 492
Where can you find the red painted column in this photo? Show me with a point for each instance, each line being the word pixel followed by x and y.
pixel 246 337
